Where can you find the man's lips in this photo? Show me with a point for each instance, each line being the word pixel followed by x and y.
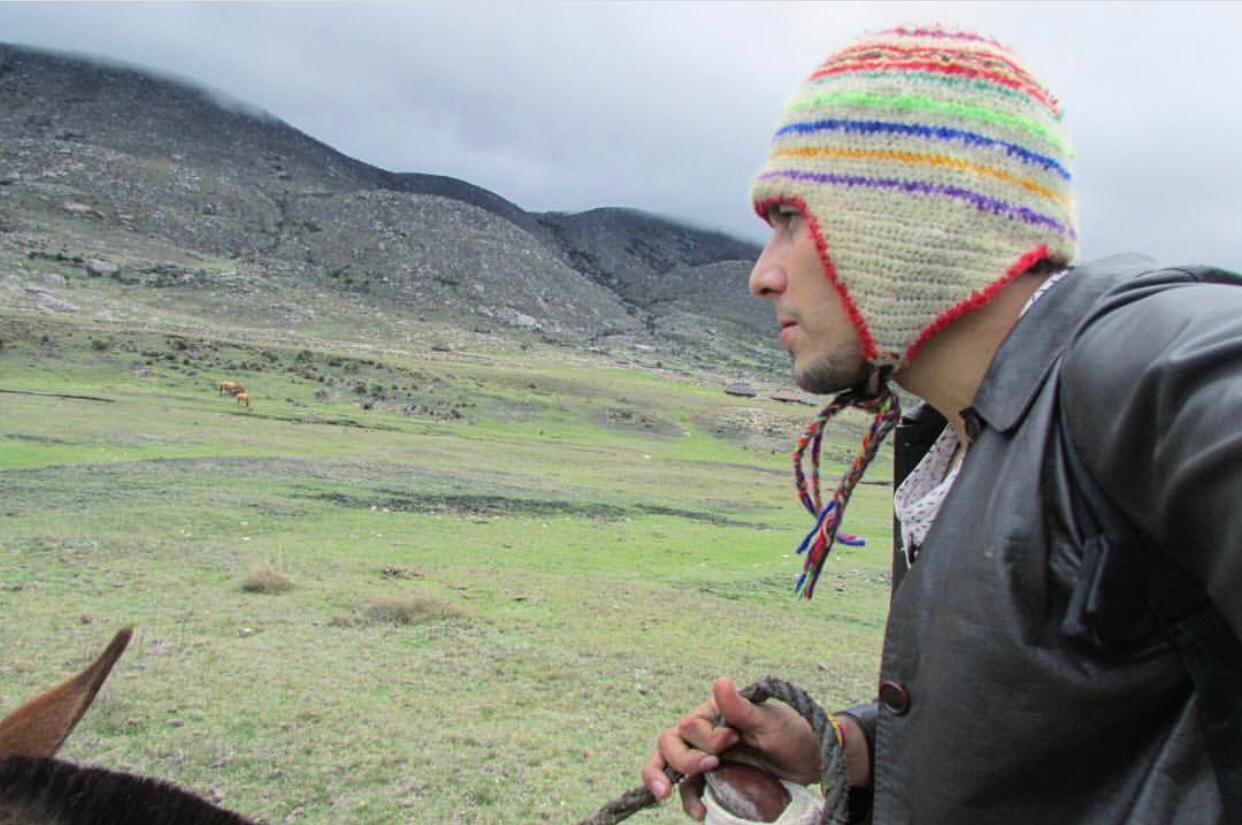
pixel 788 328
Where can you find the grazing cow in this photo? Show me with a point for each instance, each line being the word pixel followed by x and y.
pixel 231 387
pixel 36 789
pixel 243 398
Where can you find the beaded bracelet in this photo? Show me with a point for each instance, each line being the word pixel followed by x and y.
pixel 839 729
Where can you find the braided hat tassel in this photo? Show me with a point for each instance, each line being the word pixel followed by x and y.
pixel 819 541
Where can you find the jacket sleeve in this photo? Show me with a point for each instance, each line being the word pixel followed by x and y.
pixel 1152 392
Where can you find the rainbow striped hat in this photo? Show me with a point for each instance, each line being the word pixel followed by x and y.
pixel 933 168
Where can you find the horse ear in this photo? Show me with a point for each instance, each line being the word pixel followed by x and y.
pixel 39 727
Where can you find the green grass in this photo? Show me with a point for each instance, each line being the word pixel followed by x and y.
pixel 570 559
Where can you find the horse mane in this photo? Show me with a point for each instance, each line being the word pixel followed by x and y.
pixel 39 791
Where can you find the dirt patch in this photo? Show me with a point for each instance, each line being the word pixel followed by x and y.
pixel 60 395
pixel 699 515
pixel 777 586
pixel 396 571
pixel 776 427
pixel 479 506
pixel 474 506
pixel 755 428
pixel 327 422
pixel 36 439
pixel 781 585
pixel 633 419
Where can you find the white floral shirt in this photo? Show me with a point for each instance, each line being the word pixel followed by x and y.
pixel 918 499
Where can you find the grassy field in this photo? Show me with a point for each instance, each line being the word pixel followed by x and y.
pixel 422 587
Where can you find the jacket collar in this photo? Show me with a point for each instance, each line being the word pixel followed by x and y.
pixel 1028 353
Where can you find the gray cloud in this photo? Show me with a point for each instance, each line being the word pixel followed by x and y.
pixel 668 106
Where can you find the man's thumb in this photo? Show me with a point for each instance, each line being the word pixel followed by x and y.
pixel 736 711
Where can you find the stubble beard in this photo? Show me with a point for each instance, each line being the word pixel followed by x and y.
pixel 832 373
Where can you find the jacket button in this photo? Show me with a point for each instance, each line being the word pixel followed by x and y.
pixel 895 697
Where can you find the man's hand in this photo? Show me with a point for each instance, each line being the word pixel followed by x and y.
pixel 771 736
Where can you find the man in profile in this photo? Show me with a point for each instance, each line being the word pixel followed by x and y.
pixel 1071 546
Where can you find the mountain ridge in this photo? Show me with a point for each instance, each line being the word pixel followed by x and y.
pixel 119 163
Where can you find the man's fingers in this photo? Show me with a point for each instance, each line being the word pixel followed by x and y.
pixel 690 749
pixel 682 757
pixel 706 735
pixel 692 797
pixel 672 751
pixel 654 778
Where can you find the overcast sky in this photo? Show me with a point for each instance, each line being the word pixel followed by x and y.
pixel 668 107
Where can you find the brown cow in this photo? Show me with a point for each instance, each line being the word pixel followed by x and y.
pixel 231 387
pixel 243 398
pixel 36 789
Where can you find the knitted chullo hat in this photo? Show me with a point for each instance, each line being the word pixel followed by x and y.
pixel 932 168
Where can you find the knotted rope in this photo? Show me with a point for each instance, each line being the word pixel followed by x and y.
pixel 831 760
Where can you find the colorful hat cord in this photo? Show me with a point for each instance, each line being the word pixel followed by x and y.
pixel 819 541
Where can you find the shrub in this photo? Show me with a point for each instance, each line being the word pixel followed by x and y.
pixel 413 608
pixel 266 578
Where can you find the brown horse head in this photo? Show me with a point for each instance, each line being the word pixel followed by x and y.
pixel 36 789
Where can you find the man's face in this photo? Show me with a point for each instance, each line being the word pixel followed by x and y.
pixel 814 325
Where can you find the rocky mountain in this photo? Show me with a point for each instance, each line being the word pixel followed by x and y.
pixel 174 187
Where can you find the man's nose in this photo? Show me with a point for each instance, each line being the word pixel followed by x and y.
pixel 767 279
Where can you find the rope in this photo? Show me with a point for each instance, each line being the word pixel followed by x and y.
pixel 831 760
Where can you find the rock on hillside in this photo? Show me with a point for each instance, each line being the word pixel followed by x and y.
pixel 116 158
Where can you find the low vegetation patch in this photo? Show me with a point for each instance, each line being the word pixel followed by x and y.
pixel 396 571
pixel 418 607
pixel 267 577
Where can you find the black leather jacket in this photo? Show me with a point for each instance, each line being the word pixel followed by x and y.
pixel 988 712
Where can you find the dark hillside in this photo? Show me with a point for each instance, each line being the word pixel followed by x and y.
pixel 155 175
pixel 629 251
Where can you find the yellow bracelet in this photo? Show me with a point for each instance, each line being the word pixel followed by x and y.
pixel 838 729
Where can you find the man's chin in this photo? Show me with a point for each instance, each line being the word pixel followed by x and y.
pixel 827 377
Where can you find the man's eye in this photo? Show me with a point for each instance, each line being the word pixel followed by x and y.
pixel 781 214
